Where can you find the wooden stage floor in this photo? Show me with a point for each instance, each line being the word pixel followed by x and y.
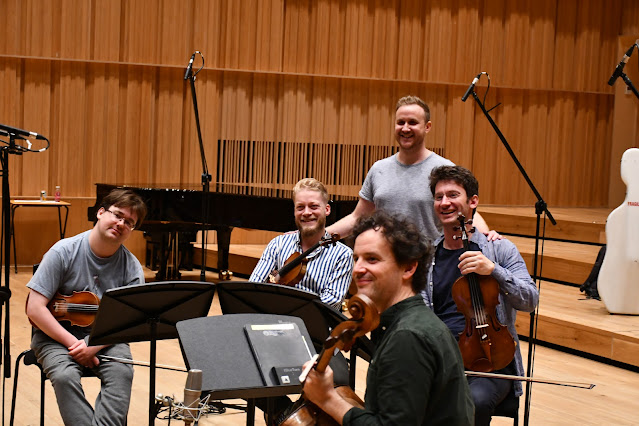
pixel 614 400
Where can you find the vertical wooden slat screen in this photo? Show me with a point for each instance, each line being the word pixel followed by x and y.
pixel 315 81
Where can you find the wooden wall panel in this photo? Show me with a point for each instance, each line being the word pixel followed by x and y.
pixel 384 49
pixel 410 44
pixel 136 144
pixel 140 29
pixel 104 147
pixel 34 169
pixel 492 35
pixel 460 126
pixel 105 18
pixel 103 80
pixel 629 17
pixel 40 38
pixel 175 32
pixel 74 29
pixel 70 156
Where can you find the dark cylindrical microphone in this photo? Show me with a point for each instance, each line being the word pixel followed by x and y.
pixel 20 132
pixel 470 88
pixel 189 67
pixel 619 70
pixel 192 393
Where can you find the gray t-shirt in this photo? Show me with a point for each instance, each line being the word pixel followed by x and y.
pixel 404 189
pixel 70 266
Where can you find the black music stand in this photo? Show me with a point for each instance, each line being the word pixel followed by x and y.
pixel 220 348
pixel 150 312
pixel 247 297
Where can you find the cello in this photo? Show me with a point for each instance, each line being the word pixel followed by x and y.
pixel 364 319
pixel 485 344
pixel 295 266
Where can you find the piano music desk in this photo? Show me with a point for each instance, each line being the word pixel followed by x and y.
pixel 37 203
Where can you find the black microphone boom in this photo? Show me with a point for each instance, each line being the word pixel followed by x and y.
pixel 189 67
pixel 20 132
pixel 470 88
pixel 619 70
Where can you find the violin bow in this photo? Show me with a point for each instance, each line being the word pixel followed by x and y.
pixel 579 385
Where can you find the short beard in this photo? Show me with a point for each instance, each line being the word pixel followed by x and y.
pixel 311 232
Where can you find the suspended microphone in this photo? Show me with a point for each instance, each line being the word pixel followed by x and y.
pixel 192 393
pixel 20 132
pixel 619 70
pixel 471 87
pixel 189 67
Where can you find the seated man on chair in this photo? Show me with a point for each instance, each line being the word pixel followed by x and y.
pixel 93 261
pixel 328 271
pixel 455 191
pixel 416 376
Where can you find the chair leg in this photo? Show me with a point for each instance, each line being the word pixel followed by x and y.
pixel 15 387
pixel 43 377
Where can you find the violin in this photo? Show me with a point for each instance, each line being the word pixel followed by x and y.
pixel 364 319
pixel 486 345
pixel 79 308
pixel 295 266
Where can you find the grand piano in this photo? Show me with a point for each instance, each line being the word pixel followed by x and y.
pixel 173 209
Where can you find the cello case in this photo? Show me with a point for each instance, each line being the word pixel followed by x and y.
pixel 618 281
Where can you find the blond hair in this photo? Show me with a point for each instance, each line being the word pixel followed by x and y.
pixel 310 184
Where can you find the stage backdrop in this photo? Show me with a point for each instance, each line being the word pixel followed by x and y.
pixel 293 88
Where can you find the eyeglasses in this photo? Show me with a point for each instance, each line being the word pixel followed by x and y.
pixel 128 223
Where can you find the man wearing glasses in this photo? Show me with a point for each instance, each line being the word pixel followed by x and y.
pixel 93 261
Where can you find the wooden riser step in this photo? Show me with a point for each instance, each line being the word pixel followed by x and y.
pixel 568 262
pixel 574 224
pixel 568 319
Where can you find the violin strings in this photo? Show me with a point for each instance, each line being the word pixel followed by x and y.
pixel 79 307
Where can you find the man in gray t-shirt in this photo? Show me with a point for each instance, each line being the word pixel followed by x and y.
pixel 92 261
pixel 400 184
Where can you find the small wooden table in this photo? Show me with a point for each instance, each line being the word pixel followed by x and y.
pixel 37 203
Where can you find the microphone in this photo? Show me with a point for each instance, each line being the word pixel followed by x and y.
pixel 189 67
pixel 619 70
pixel 471 87
pixel 20 132
pixel 192 393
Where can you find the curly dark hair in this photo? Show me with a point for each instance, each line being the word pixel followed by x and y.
pixel 407 243
pixel 457 174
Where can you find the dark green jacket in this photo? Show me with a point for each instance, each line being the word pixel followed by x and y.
pixel 416 376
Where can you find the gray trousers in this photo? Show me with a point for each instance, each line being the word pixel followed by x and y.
pixel 112 403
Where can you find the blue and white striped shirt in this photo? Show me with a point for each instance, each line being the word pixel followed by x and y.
pixel 328 271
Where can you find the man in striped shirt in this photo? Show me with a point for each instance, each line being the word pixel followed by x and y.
pixel 329 267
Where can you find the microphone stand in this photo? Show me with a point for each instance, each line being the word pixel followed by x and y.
pixel 629 84
pixel 206 176
pixel 540 207
pixel 5 292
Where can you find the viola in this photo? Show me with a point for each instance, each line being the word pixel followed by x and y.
pixel 486 345
pixel 79 308
pixel 364 319
pixel 295 266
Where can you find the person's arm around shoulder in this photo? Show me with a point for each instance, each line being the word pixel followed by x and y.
pixel 40 315
pixel 344 226
pixel 481 226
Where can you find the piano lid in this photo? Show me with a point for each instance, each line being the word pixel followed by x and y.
pixel 266 207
